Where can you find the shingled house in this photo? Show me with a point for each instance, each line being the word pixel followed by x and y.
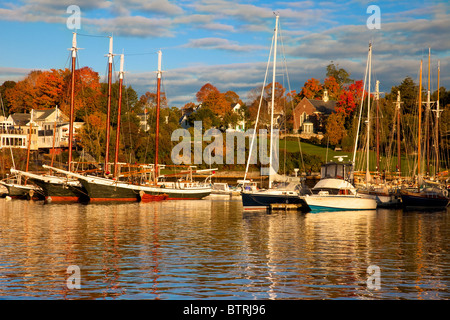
pixel 310 114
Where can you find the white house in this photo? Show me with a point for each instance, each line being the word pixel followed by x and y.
pixel 49 129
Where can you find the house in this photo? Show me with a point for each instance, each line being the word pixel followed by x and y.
pixel 240 124
pixel 143 121
pixel 184 121
pixel 15 132
pixel 310 114
pixel 49 129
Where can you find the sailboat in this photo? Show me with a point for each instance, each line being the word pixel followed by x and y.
pixel 188 190
pixel 428 195
pixel 385 195
pixel 100 189
pixel 288 192
pixel 56 188
pixel 18 186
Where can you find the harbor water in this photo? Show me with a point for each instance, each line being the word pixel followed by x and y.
pixel 212 249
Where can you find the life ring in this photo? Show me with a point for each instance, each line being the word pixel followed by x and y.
pixel 445 192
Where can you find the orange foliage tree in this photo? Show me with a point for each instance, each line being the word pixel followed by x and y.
pixel 312 89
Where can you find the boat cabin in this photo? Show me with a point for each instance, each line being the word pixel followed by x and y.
pixel 337 170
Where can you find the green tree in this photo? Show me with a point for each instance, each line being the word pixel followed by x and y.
pixel 408 93
pixel 339 74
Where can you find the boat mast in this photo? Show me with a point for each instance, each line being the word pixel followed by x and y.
pixel 427 123
pixel 437 121
pixel 119 110
pixel 72 98
pixel 398 135
pixel 377 97
pixel 158 102
pixel 368 116
pixel 360 111
pixel 54 137
pixel 419 173
pixel 273 99
pixel 108 113
pixel 29 140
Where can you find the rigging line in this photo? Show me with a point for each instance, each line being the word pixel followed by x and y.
pixel 141 54
pixel 92 35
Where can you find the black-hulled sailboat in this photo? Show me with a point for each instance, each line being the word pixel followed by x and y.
pixel 428 195
pixel 56 188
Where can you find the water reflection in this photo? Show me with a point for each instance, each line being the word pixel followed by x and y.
pixel 212 249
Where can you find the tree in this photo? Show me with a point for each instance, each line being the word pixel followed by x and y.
pixel 349 99
pixel 335 129
pixel 312 89
pixel 341 75
pixel 332 86
pixel 7 85
pixel 204 91
pixel 408 93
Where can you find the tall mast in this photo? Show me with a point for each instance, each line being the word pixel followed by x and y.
pixel 377 97
pixel 72 98
pixel 399 163
pixel 437 121
pixel 158 102
pixel 119 109
pixel 54 137
pixel 108 114
pixel 419 173
pixel 427 118
pixel 368 115
pixel 273 99
pixel 29 140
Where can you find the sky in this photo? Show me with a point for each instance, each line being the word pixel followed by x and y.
pixel 227 42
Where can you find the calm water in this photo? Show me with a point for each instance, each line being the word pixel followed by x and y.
pixel 212 249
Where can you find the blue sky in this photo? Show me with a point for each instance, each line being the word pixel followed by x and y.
pixel 226 42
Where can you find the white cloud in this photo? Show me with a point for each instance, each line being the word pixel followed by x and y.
pixel 221 44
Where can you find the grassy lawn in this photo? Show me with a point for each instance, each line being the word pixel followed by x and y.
pixel 321 151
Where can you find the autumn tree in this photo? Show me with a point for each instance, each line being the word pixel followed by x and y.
pixel 335 129
pixel 7 85
pixel 333 88
pixel 312 89
pixel 204 92
pixel 350 98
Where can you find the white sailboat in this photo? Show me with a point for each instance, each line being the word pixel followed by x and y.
pixel 287 192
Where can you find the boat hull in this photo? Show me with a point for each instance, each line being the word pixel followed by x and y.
pixel 60 192
pixel 339 203
pixel 23 191
pixel 179 194
pixel 384 200
pixel 419 201
pixel 262 201
pixel 99 192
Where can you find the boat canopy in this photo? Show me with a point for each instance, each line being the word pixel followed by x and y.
pixel 337 170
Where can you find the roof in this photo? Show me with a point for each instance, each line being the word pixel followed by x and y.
pixel 322 106
pixel 43 114
pixel 20 119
